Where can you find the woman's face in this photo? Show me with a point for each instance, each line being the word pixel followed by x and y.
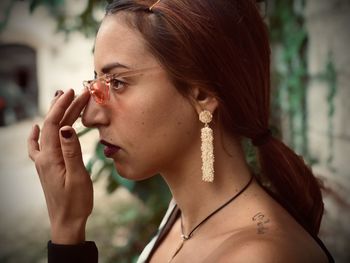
pixel 152 123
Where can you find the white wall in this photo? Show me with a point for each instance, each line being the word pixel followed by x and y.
pixel 61 64
pixel 328 24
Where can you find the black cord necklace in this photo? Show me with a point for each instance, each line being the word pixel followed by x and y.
pixel 187 237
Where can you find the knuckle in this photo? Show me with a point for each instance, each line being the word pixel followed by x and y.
pixel 30 156
pixel 40 161
pixel 48 121
pixel 44 161
pixel 71 153
pixel 61 107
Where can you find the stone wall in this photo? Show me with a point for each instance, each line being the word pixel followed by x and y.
pixel 328 24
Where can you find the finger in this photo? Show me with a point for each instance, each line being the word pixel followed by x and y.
pixel 75 109
pixel 49 136
pixel 58 94
pixel 71 151
pixel 33 145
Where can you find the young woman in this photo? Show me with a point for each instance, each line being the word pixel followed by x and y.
pixel 178 85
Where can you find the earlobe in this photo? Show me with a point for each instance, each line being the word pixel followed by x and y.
pixel 204 100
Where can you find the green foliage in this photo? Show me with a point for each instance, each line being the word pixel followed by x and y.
pixel 85 22
pixel 288 33
pixel 330 77
pixel 291 78
pixel 142 226
pixel 5 14
pixel 99 166
pixel 154 194
pixel 52 4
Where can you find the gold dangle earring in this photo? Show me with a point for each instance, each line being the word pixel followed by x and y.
pixel 207 147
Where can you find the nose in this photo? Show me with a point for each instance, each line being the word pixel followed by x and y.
pixel 94 115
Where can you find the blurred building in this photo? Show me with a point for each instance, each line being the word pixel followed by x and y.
pixel 36 60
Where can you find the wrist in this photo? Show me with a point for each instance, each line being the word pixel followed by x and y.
pixel 68 234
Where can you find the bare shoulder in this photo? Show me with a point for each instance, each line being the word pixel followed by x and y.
pixel 266 242
pixel 255 250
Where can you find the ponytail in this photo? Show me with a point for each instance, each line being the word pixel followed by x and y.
pixel 223 47
pixel 293 184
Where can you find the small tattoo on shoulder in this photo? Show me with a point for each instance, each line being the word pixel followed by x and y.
pixel 261 222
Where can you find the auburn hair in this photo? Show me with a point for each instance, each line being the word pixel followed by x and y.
pixel 223 47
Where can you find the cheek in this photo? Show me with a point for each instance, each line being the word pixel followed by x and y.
pixel 149 113
pixel 158 126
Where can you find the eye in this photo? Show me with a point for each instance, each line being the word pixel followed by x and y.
pixel 117 84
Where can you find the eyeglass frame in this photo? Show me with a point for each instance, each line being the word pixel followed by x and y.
pixel 106 79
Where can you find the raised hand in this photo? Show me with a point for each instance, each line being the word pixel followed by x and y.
pixel 58 159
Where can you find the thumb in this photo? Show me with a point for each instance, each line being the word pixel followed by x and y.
pixel 71 150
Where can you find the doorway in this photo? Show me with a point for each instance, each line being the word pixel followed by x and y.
pixel 18 83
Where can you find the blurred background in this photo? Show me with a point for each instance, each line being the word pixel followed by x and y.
pixel 46 45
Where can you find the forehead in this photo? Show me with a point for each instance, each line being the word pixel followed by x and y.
pixel 118 42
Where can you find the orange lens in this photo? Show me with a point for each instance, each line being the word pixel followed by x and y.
pixel 99 91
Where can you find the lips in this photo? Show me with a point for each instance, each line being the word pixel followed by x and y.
pixel 110 149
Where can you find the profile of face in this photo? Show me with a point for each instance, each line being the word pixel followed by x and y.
pixel 155 126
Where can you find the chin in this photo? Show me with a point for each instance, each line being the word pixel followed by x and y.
pixel 131 173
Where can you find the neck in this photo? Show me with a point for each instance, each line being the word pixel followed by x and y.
pixel 197 199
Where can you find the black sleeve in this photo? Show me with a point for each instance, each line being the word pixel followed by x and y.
pixel 85 252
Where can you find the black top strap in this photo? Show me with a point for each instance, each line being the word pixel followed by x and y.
pixel 324 248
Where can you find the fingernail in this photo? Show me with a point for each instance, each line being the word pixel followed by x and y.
pixel 66 134
pixel 58 92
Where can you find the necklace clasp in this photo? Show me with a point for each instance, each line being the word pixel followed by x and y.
pixel 184 237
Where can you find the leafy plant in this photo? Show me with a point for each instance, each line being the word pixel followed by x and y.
pixel 86 21
pixel 329 75
pixel 291 78
pixel 153 193
pixel 288 34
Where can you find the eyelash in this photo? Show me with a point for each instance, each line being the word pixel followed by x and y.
pixel 116 83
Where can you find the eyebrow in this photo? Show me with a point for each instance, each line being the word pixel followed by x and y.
pixel 107 68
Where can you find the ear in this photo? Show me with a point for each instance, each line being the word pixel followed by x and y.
pixel 203 100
